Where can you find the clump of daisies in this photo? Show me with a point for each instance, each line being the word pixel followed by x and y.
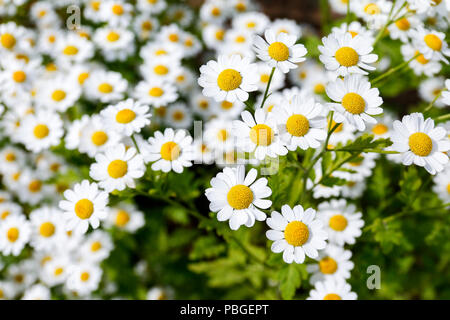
pixel 111 132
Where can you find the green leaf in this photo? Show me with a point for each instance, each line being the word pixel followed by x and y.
pixel 290 280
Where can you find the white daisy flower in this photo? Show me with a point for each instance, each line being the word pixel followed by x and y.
pixel 401 28
pixel 84 278
pixel 106 86
pixel 442 185
pixel 115 43
pixel 431 44
pixel 14 234
pixel 170 151
pixel 264 71
pixel 297 233
pixel 156 93
pixel 332 289
pixel 355 101
pixel 227 109
pixel 201 105
pixel 18 74
pixel 154 6
pixel 157 49
pixel 202 153
pixel 420 142
pixel 11 157
pixel 56 271
pixel 259 135
pixel 320 190
pixel 300 123
pixel 145 27
pixel 117 168
pixel 158 293
pixel 37 292
pixel 353 189
pixel 213 35
pixel 47 225
pixel 85 205
pixel 41 130
pixel 57 94
pixel 254 22
pixel 164 68
pixel 287 26
pixel 374 12
pixel 333 263
pixel 237 197
pixel 179 116
pixel 219 135
pixel 341 222
pixel 116 12
pixel 95 136
pixel 125 217
pixel 127 117
pixel 431 88
pixel 96 247
pixel 229 78
pixel 279 50
pixel 446 93
pixel 344 54
pixel 213 11
pixel 12 37
pixel 355 28
pixel 73 49
pixel 339 6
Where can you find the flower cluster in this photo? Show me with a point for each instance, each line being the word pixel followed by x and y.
pixel 95 117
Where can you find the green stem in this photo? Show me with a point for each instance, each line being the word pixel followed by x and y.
pixel 393 70
pixel 442 118
pixel 428 108
pixel 135 143
pixel 340 164
pixel 324 15
pixel 364 150
pixel 267 88
pixel 388 22
pixel 248 252
pixel 348 15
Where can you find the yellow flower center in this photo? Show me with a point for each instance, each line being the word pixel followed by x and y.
pixel 403 24
pixel 105 88
pixel 84 276
pixel 328 265
pixel 82 77
pixel 353 33
pixel 160 52
pixel 226 105
pixel 122 218
pixel 117 9
pixel 222 135
pixel 113 36
pixel 41 131
pixel 239 39
pixel 261 135
pixel 58 271
pixel 278 51
pixel 173 37
pixel 203 104
pixel 147 26
pixel 332 296
pixel 170 151
pixel 99 138
pixel 379 129
pixel 84 208
pixel 319 88
pixel 58 95
pixel 353 103
pixel 338 222
pixel 372 9
pixel 10 157
pixel 5 215
pixel 421 59
pixel 347 57
pixel 47 229
pixel 420 144
pixel 8 41
pixel 251 25
pixel 448 188
pixel 220 35
pixel 433 42
pixel 70 50
pixel 215 12
pixel 161 70
pixel 13 234
pixel 296 233
pixel 35 186
pixel 156 92
pixel 229 79
pixel 19 76
pixel 125 116
pixel 178 116
pixel 117 169
pixel 264 78
pixel 240 197
pixel 95 246
pixel 297 125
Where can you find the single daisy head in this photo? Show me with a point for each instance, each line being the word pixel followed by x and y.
pixel 297 233
pixel 238 197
